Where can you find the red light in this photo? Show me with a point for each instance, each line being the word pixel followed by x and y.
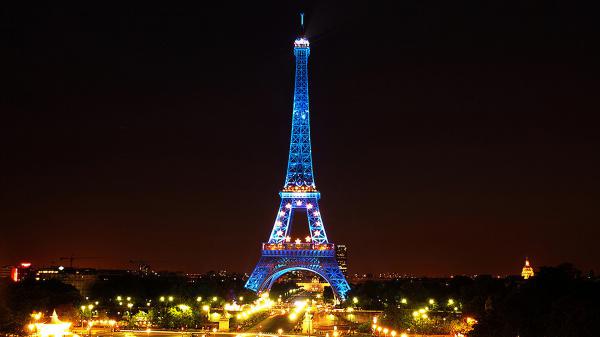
pixel 25 264
pixel 14 274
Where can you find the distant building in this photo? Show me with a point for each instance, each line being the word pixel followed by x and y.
pixel 17 273
pixel 314 286
pixel 5 271
pixel 80 278
pixel 341 255
pixel 527 271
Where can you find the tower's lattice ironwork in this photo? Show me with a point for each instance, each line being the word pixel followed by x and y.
pixel 315 253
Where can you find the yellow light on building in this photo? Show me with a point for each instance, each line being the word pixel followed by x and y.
pixel 527 271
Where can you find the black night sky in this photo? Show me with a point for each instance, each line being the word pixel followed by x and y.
pixel 449 137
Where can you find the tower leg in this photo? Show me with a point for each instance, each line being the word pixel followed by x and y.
pixel 270 268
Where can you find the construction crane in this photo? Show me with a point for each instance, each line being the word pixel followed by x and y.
pixel 73 258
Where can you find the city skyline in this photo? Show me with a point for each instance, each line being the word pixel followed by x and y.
pixel 160 134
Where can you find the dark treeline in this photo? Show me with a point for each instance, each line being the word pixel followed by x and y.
pixel 151 288
pixel 19 300
pixel 558 301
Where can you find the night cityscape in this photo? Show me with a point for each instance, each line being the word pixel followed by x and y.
pixel 301 168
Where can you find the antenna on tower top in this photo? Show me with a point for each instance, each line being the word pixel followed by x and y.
pixel 302 21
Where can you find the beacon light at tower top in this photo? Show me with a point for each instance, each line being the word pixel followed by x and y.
pixel 301 42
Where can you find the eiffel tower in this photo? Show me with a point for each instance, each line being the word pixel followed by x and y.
pixel 315 253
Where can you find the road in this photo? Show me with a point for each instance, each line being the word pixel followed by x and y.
pixel 273 323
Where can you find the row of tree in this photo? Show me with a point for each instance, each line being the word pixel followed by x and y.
pixel 558 301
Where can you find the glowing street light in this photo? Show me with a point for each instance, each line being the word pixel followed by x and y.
pixel 199 299
pixel 170 298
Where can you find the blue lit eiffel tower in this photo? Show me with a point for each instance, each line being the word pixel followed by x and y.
pixel 315 253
